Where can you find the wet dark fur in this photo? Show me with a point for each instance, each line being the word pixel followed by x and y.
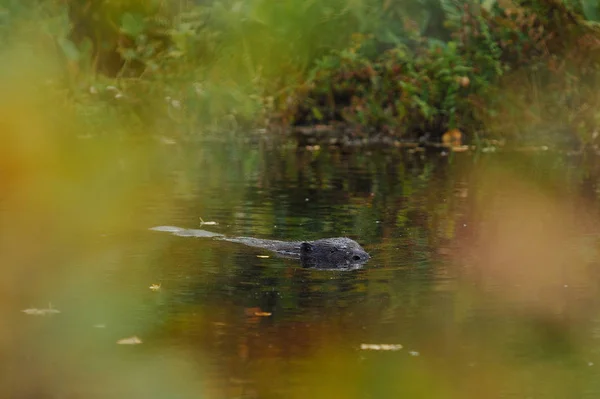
pixel 327 253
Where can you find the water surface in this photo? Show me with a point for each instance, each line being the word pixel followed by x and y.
pixel 482 283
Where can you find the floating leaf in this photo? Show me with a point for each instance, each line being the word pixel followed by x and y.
pixel 130 341
pixel 381 347
pixel 155 287
pixel 256 312
pixel 202 223
pixel 41 312
pixel 262 314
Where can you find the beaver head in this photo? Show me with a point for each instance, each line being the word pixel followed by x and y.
pixel 333 253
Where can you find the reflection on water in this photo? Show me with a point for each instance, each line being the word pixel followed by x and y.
pixel 485 277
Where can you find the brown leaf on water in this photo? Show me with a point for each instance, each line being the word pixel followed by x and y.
pixel 262 314
pixel 135 340
pixel 256 312
pixel 251 311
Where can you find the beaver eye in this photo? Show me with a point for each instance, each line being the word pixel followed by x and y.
pixel 356 257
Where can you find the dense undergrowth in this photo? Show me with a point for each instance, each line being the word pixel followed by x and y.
pixel 507 69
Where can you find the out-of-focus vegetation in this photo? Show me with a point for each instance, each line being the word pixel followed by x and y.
pixel 373 68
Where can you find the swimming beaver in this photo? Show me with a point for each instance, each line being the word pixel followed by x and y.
pixel 327 253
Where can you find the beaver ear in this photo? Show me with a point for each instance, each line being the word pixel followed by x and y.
pixel 306 247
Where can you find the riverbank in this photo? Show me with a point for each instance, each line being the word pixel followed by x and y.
pixel 445 74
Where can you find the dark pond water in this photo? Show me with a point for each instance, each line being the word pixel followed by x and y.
pixel 483 281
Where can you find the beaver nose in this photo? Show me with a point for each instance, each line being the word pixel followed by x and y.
pixel 362 256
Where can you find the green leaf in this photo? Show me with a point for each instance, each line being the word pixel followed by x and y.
pixel 317 113
pixel 591 10
pixel 132 24
pixel 451 11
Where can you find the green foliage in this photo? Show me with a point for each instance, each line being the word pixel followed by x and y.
pixel 431 86
pixel 218 61
pixel 401 88
pixel 498 71
pixel 591 10
pixel 373 66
